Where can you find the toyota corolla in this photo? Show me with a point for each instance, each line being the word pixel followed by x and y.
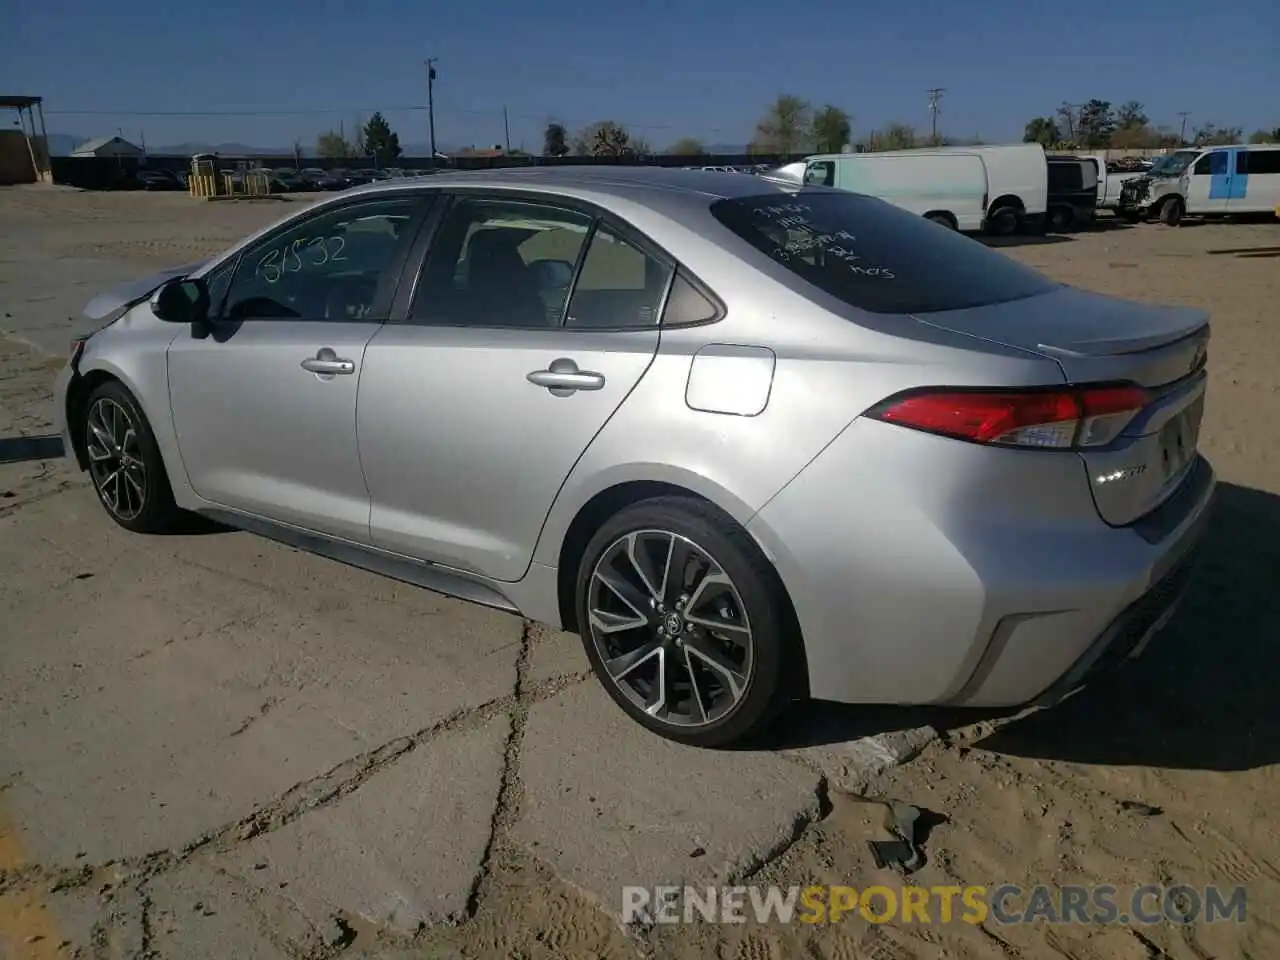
pixel 753 440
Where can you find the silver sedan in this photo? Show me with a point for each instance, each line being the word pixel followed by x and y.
pixel 753 440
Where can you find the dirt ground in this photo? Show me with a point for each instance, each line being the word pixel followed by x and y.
pixel 1164 773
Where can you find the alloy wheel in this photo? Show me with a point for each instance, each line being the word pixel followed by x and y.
pixel 670 628
pixel 115 459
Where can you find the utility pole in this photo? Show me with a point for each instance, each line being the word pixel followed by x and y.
pixel 1182 133
pixel 506 130
pixel 430 63
pixel 935 94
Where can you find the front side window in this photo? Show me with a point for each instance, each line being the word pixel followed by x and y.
pixel 820 173
pixel 501 263
pixel 875 256
pixel 325 267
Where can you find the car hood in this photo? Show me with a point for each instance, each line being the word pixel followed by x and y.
pixel 127 294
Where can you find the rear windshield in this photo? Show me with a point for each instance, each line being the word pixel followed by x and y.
pixel 875 256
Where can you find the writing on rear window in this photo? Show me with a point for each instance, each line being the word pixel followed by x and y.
pixel 872 255
pixel 805 241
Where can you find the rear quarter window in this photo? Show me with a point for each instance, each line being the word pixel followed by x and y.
pixel 875 256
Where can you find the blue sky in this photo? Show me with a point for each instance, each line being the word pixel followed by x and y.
pixel 283 69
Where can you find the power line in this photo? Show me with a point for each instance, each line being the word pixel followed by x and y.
pixel 348 111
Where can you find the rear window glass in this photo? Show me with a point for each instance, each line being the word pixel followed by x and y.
pixel 875 256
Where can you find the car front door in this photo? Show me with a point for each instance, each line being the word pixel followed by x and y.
pixel 1209 187
pixel 264 395
pixel 529 325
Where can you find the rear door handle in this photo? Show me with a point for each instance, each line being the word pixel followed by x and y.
pixel 326 363
pixel 563 377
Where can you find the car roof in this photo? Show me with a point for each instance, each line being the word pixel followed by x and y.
pixel 665 188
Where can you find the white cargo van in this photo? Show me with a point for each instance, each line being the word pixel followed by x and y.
pixel 1213 181
pixel 1017 182
pixel 950 189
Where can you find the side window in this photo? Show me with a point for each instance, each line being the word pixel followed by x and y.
pixel 1242 162
pixel 620 285
pixel 1203 165
pixel 1261 161
pixel 325 267
pixel 500 263
pixel 821 173
pixel 686 304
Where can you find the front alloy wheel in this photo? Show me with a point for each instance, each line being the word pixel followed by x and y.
pixel 683 622
pixel 115 459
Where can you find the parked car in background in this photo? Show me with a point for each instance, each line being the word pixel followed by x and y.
pixel 1017 179
pixel 1073 192
pixel 338 178
pixel 1114 175
pixel 313 176
pixel 372 175
pixel 981 486
pixel 948 188
pixel 154 179
pixel 1158 192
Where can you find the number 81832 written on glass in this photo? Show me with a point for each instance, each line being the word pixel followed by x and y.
pixel 300 254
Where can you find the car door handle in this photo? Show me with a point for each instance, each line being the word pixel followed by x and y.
pixel 563 377
pixel 328 363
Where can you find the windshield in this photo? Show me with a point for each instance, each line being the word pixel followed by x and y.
pixel 1173 164
pixel 875 256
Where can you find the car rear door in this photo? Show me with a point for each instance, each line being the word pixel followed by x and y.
pixel 264 396
pixel 529 324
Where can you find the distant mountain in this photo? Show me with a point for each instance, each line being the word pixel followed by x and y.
pixel 230 149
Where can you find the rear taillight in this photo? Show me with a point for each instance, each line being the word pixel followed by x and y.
pixel 1057 419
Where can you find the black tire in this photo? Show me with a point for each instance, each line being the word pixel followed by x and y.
pixel 776 656
pixel 942 220
pixel 1171 211
pixel 154 510
pixel 1061 218
pixel 1003 222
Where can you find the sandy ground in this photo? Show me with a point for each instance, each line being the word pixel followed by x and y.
pixel 1165 773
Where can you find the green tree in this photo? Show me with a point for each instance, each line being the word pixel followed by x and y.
pixel 687 147
pixel 830 129
pixel 1212 135
pixel 1069 115
pixel 555 140
pixel 1041 130
pixel 1096 124
pixel 380 141
pixel 332 145
pixel 1130 114
pixel 1265 136
pixel 785 126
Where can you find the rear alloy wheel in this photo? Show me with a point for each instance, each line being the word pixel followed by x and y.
pixel 124 462
pixel 681 620
pixel 1171 211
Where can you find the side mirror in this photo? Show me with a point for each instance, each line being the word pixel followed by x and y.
pixel 181 301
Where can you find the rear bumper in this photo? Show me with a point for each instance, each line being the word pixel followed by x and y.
pixel 984 579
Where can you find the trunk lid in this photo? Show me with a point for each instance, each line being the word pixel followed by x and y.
pixel 1099 339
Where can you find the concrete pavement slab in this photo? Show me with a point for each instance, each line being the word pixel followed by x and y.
pixel 201 913
pixel 555 655
pixel 609 804
pixel 166 695
pixel 404 850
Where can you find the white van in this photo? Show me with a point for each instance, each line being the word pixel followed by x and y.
pixel 1017 182
pixel 950 189
pixel 1212 181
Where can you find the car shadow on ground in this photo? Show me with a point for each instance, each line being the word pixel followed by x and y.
pixel 1202 697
